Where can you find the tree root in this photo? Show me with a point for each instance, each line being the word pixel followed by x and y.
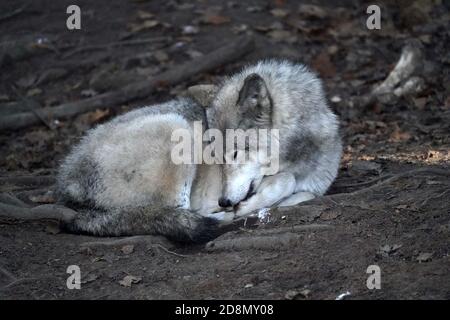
pixel 275 242
pixel 13 13
pixel 139 89
pixel 296 229
pixel 270 239
pixel 9 199
pixel 42 212
pixel 403 80
pixel 117 44
pixel 338 196
pixel 28 180
pixel 134 240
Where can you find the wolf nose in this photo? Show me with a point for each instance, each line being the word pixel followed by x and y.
pixel 224 202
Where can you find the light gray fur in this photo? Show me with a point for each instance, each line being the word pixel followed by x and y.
pixel 121 180
pixel 310 144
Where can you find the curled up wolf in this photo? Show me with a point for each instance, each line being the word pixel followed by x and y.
pixel 120 179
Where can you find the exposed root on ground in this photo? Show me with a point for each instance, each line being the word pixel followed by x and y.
pixel 159 241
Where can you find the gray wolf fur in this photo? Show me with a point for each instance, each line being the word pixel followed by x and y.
pixel 121 180
pixel 285 96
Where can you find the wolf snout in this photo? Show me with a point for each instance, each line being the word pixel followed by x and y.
pixel 225 202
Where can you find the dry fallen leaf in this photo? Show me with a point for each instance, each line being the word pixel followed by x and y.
pixel 128 249
pixel 282 35
pixel 215 19
pixel 144 15
pixel 97 115
pixel 43 198
pixel 322 63
pixel 127 281
pixel 147 24
pixel 397 135
pixel 312 11
pixel 279 13
pixel 161 56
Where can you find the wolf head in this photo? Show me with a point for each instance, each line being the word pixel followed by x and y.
pixel 243 172
pixel 245 106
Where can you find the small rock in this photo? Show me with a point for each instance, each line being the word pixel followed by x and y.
pixel 291 294
pixel 215 19
pixel 306 293
pixel 294 294
pixel 248 285
pixel 279 13
pixel 343 295
pixel 336 99
pixel 190 30
pixel 127 281
pixel 240 28
pixel 254 9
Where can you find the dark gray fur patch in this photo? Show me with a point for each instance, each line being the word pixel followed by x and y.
pixel 302 149
pixel 259 115
pixel 86 174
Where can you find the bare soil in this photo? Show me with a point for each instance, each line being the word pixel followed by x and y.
pixel 400 224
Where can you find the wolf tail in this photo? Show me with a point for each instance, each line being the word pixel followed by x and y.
pixel 176 224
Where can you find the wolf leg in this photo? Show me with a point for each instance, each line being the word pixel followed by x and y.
pixel 271 190
pixel 296 198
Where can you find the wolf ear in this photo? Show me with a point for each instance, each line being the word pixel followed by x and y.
pixel 203 94
pixel 254 94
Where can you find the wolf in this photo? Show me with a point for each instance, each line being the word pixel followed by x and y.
pixel 282 95
pixel 121 181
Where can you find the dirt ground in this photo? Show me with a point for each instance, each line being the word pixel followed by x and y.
pixel 388 207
